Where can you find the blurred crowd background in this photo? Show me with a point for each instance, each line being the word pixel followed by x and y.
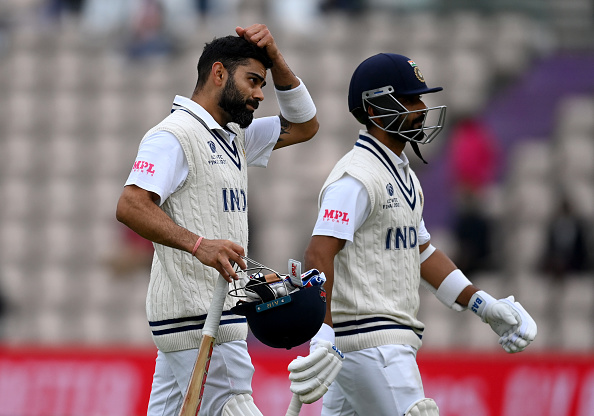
pixel 509 187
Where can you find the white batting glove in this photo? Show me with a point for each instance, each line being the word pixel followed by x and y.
pixel 312 375
pixel 507 318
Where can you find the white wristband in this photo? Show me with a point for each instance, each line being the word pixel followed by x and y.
pixel 479 302
pixel 451 287
pixel 296 105
pixel 428 251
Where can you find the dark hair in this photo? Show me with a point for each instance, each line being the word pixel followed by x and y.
pixel 231 51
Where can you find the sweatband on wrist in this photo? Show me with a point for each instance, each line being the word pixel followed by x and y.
pixel 479 302
pixel 451 287
pixel 428 251
pixel 296 105
pixel 197 245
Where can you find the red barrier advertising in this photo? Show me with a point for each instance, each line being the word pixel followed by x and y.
pixel 500 384
pixel 116 382
pixel 75 382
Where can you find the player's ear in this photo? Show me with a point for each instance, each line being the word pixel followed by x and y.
pixel 371 113
pixel 218 74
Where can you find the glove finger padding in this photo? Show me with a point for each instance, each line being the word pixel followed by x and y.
pixel 312 375
pixel 509 319
pixel 501 317
pixel 319 369
pixel 512 323
pixel 321 390
pixel 528 327
pixel 301 385
pixel 303 363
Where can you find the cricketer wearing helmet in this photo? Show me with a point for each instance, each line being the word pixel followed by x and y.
pixel 371 242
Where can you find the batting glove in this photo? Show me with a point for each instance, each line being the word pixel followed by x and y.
pixel 312 375
pixel 507 318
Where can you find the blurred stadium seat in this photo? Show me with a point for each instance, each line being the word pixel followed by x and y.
pixel 74 110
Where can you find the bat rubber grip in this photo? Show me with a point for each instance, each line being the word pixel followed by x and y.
pixel 294 406
pixel 213 318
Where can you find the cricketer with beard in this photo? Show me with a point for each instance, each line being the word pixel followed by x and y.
pixel 192 204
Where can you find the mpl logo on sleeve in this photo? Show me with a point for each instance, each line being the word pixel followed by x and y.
pixel 336 216
pixel 142 166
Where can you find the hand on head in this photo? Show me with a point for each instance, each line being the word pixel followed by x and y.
pixel 259 35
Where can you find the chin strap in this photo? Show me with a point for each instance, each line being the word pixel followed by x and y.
pixel 415 147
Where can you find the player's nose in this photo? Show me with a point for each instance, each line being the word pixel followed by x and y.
pixel 258 94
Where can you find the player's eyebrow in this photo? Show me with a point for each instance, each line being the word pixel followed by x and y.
pixel 260 77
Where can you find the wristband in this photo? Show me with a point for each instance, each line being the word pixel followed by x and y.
pixel 451 287
pixel 479 302
pixel 197 245
pixel 296 105
pixel 428 251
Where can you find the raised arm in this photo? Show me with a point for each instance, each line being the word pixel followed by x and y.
pixel 298 112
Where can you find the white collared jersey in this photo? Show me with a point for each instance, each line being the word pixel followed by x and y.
pixel 349 195
pixel 212 202
pixel 161 166
pixel 375 297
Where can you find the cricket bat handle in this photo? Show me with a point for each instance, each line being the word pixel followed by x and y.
pixel 294 406
pixel 195 389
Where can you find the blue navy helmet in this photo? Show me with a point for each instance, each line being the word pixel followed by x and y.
pixel 287 321
pixel 378 81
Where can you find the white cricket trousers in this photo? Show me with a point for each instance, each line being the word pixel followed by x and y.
pixel 230 373
pixel 379 381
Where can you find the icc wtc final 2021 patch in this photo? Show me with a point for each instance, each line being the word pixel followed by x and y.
pixel 417 70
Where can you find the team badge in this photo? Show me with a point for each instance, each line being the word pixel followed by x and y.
pixel 417 71
pixel 390 189
pixel 212 146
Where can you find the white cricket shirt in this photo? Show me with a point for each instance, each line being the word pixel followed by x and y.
pixel 350 196
pixel 161 166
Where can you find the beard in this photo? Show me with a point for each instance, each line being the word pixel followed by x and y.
pixel 234 104
pixel 402 129
pixel 415 133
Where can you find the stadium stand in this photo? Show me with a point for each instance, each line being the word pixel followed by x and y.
pixel 74 108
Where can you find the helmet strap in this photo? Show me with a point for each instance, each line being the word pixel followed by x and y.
pixel 415 147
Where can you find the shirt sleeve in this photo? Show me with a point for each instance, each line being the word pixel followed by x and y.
pixel 345 207
pixel 424 235
pixel 260 138
pixel 160 166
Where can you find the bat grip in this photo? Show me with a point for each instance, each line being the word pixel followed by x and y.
pixel 213 318
pixel 294 406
